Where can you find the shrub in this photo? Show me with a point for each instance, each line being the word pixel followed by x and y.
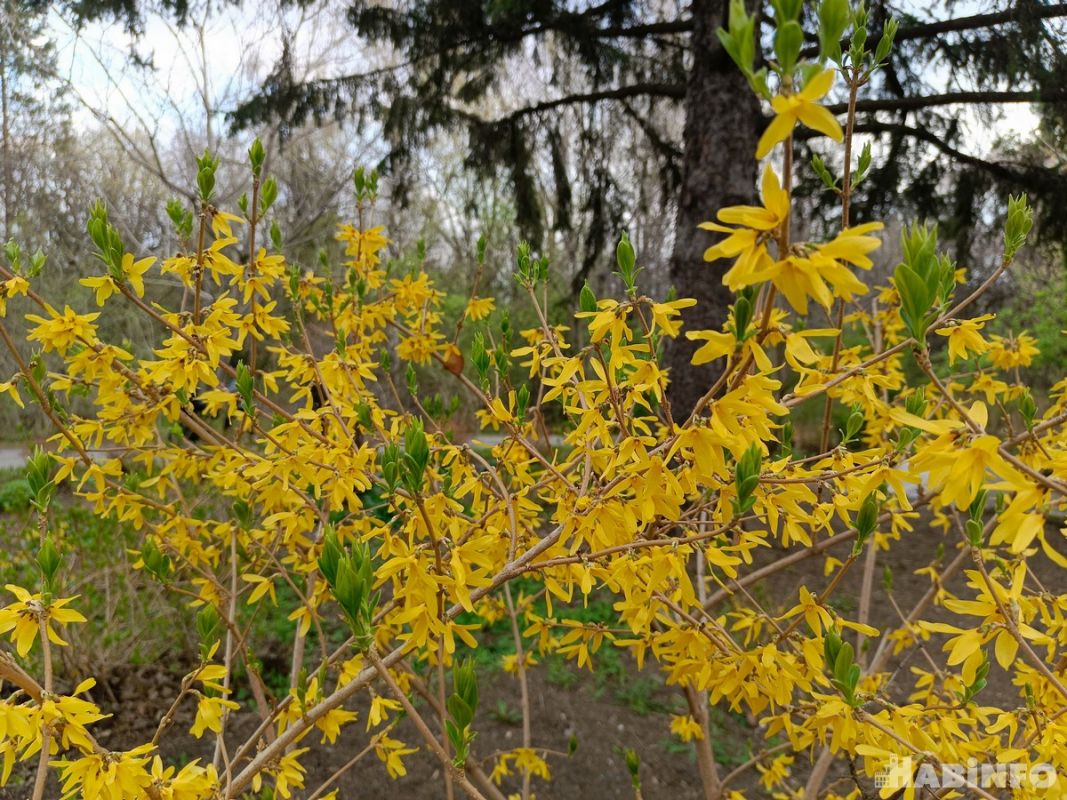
pixel 267 445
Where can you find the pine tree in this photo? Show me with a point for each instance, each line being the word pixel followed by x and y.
pixel 30 114
pixel 468 65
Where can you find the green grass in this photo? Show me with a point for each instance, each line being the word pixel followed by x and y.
pixel 130 619
pixel 730 749
pixel 14 494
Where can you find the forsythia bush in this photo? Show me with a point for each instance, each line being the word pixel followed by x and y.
pixel 326 482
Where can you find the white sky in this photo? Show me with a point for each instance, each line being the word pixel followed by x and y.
pixel 240 46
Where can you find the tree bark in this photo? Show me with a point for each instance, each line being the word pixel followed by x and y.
pixel 722 126
pixel 5 121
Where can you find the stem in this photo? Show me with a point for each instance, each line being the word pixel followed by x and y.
pixel 253 221
pixel 524 689
pixel 423 728
pixel 866 588
pixel 846 199
pixel 42 763
pixel 198 270
pixel 709 771
pixel 220 740
pixel 439 566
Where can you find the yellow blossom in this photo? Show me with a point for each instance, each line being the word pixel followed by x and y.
pixel 686 728
pixel 801 107
pixel 25 617
pixel 964 337
pixel 479 308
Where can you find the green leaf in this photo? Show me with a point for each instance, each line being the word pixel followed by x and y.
pixel 462 713
pixel 885 44
pixel 915 299
pixel 843 664
pixel 586 299
pixel 819 166
pixel 833 19
pixel 788 40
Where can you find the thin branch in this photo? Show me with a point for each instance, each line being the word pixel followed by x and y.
pixel 952 98
pixel 1017 13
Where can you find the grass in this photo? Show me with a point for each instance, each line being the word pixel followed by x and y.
pixel 130 619
pixel 730 749
pixel 504 713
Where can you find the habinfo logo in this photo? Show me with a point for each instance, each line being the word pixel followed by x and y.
pixel 904 773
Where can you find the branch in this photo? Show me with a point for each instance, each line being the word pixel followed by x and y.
pixel 952 98
pixel 1017 13
pixel 925 135
pixel 921 30
pixel 928 30
pixel 648 29
pixel 674 91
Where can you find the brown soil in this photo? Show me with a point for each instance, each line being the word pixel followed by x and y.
pixel 602 721
pixel 603 729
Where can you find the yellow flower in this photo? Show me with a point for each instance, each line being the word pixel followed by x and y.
pixel 12 286
pixel 820 273
pixel 963 337
pixel 379 710
pixel 23 618
pixel 527 760
pixel 747 243
pixel 391 753
pixel 480 308
pixel 289 772
pixel 134 272
pixel 116 776
pixel 717 345
pixel 104 285
pixel 776 772
pixel 686 728
pixel 61 331
pixel 609 318
pixel 959 465
pixel 264 585
pixel 413 292
pixel 1014 351
pixel 192 782
pixel 218 263
pixel 815 615
pixel 332 721
pixel 363 245
pixel 220 222
pixel 801 107
pixel 11 388
pixel 666 316
pixel 510 662
pixel 209 714
pixel 419 347
pixel 69 716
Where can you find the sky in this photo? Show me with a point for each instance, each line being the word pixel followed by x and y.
pixel 223 58
pixel 237 51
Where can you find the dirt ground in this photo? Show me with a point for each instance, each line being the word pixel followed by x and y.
pixel 603 721
pixel 603 729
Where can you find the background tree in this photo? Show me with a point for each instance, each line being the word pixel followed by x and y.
pixel 569 102
pixel 512 76
pixel 28 110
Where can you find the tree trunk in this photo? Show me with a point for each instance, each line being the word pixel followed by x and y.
pixel 722 125
pixel 5 123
